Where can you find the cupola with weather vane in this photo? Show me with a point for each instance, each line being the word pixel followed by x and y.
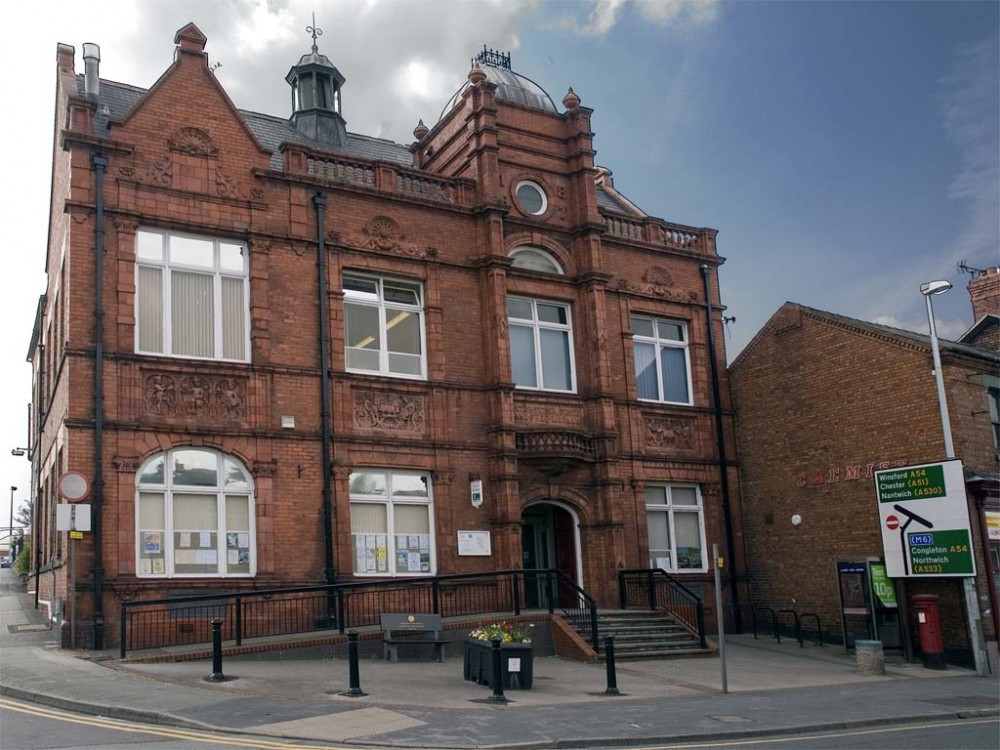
pixel 316 95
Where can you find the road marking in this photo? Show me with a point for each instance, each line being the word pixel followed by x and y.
pixel 181 734
pixel 804 737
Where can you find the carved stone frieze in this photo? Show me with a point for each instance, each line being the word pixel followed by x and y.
pixel 443 478
pixel 126 464
pixel 159 172
pixel 384 235
pixel 554 443
pixel 260 245
pixel 125 224
pixel 379 410
pixel 265 469
pixel 669 432
pixel 658 283
pixel 532 413
pixel 176 395
pixel 193 141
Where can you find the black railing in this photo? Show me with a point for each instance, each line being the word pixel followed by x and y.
pixel 178 621
pixel 654 589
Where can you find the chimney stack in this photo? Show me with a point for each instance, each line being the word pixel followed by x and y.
pixel 984 290
pixel 91 71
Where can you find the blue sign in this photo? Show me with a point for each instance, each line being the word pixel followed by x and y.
pixel 920 539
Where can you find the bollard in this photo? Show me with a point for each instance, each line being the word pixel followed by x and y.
pixel 354 691
pixel 609 665
pixel 217 675
pixel 498 696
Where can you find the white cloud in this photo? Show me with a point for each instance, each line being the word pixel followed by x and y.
pixel 604 14
pixel 266 24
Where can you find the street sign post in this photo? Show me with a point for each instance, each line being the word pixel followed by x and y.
pixel 924 517
pixel 75 519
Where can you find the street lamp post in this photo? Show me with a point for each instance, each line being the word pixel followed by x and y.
pixel 10 527
pixel 931 289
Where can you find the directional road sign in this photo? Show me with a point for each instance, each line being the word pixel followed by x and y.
pixel 924 517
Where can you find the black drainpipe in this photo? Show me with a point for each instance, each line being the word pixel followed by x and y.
pixel 319 201
pixel 100 165
pixel 723 468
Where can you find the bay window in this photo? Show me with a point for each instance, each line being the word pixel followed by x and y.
pixel 384 326
pixel 541 345
pixel 191 296
pixel 392 523
pixel 676 525
pixel 194 516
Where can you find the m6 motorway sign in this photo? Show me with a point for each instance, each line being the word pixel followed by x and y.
pixel 924 518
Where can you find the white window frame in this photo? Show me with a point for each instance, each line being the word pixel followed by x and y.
pixel 388 501
pixel 168 490
pixel 541 193
pixel 384 307
pixel 671 510
pixel 528 250
pixel 659 344
pixel 216 271
pixel 536 326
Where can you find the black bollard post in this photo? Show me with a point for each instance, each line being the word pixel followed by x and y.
pixel 217 675
pixel 354 691
pixel 609 664
pixel 498 696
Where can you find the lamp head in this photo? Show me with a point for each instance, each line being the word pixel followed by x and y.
pixel 934 287
pixel 13 488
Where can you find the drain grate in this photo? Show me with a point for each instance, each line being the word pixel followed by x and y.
pixel 962 701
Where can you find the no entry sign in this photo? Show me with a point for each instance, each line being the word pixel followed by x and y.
pixel 924 518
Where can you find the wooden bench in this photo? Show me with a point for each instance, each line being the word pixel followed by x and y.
pixel 411 629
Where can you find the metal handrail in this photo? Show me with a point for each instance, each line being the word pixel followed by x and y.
pixel 591 605
pixel 658 575
pixel 332 606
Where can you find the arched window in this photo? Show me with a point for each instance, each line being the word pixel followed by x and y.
pixel 194 516
pixel 533 259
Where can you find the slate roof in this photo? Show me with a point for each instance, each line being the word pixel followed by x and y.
pixel 270 131
pixel 988 320
pixel 117 99
pixel 900 333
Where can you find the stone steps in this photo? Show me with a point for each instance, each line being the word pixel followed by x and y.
pixel 641 634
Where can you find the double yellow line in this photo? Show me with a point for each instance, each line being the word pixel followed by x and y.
pixel 177 734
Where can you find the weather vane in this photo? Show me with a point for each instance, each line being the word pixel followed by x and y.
pixel 316 32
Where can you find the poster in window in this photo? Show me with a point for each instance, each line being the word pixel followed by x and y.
pixel 152 542
pixel 359 553
pixel 145 566
pixel 244 538
pixel 663 563
pixel 400 541
pixel 158 566
pixel 232 557
pixel 402 556
pixel 244 558
pixel 232 540
pixel 413 562
pixel 381 553
pixel 413 542
pixel 185 540
pixel 204 538
pixel 425 542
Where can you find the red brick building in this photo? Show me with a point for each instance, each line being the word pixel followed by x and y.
pixel 821 402
pixel 310 343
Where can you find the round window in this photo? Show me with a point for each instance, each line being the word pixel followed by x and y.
pixel 531 198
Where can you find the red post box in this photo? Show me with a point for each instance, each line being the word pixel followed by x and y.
pixel 929 622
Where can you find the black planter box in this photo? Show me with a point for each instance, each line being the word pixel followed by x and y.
pixel 478 663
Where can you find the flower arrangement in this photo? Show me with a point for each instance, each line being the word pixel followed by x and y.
pixel 507 632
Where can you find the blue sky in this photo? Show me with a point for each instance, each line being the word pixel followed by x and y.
pixel 845 151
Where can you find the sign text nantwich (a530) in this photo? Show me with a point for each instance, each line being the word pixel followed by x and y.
pixel 924 516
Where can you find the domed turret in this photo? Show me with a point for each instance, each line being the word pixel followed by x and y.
pixel 512 87
pixel 316 85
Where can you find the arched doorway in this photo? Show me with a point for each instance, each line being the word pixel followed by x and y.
pixel 550 538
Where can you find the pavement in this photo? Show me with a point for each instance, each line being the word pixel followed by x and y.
pixel 773 689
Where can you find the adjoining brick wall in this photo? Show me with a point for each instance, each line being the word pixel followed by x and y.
pixel 820 405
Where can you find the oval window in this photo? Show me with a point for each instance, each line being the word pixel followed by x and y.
pixel 531 198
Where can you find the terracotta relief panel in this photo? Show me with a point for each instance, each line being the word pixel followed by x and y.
pixel 672 433
pixel 379 410
pixel 526 412
pixel 221 399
